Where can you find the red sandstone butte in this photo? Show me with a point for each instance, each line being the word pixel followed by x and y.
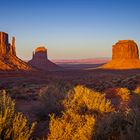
pixel 8 58
pixel 125 55
pixel 41 62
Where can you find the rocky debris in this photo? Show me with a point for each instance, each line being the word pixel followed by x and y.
pixel 8 58
pixel 125 55
pixel 40 60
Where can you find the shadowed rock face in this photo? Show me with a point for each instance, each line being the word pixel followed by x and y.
pixel 8 58
pixel 125 55
pixel 40 60
pixel 40 53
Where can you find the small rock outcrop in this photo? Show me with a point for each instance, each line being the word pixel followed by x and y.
pixel 8 58
pixel 125 55
pixel 40 60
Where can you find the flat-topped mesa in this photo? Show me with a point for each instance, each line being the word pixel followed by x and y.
pixel 5 47
pixel 125 49
pixel 125 55
pixel 40 53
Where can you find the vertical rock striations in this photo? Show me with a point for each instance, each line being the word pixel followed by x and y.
pixel 8 58
pixel 12 49
pixel 125 55
pixel 125 49
pixel 4 45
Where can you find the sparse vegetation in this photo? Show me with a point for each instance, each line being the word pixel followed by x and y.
pixel 119 126
pixel 84 100
pixel 71 126
pixel 71 108
pixel 124 93
pixel 137 90
pixel 51 98
pixel 13 126
pixel 78 120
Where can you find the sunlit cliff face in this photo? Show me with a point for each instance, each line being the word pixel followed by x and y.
pixel 41 49
pixel 125 49
pixel 125 55
pixel 8 58
pixel 5 47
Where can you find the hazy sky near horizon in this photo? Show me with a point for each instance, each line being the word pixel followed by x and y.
pixel 70 29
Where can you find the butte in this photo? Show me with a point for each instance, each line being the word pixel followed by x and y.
pixel 8 59
pixel 40 60
pixel 125 55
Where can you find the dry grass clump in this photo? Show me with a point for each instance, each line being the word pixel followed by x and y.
pixel 13 126
pixel 137 90
pixel 78 120
pixel 89 115
pixel 124 93
pixel 25 92
pixel 119 126
pixel 82 100
pixel 51 97
pixel 71 127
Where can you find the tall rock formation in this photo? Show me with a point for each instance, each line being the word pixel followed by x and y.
pixel 8 58
pixel 4 45
pixel 40 60
pixel 12 50
pixel 125 55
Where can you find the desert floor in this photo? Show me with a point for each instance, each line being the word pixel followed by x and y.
pixel 26 88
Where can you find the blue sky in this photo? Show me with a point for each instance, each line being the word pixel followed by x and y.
pixel 70 29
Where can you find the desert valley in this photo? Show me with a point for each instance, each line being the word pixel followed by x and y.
pixel 100 102
pixel 69 70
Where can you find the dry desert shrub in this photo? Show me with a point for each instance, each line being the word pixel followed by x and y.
pixel 124 93
pixel 78 120
pixel 24 92
pixel 13 126
pixel 51 98
pixel 119 126
pixel 71 127
pixel 83 100
pixel 137 90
